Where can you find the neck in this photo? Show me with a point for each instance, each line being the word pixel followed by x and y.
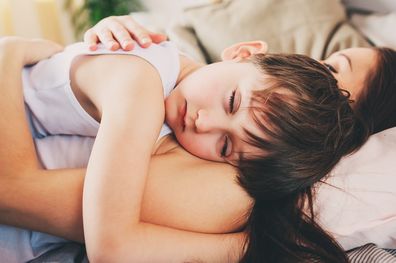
pixel 187 66
pixel 165 145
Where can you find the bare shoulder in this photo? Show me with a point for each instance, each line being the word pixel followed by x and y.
pixel 94 75
pixel 198 195
pixel 111 63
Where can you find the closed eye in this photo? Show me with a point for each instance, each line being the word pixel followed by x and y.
pixel 224 148
pixel 330 67
pixel 231 101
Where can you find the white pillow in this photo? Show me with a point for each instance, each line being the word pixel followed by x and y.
pixel 380 6
pixel 359 204
pixel 378 28
pixel 314 28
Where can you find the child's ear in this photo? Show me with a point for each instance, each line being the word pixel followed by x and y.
pixel 244 50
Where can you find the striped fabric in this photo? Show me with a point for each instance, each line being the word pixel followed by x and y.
pixel 75 253
pixel 370 253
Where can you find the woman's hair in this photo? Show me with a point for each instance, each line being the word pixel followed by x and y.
pixel 308 125
pixel 376 103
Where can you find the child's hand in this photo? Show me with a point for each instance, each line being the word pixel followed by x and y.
pixel 120 31
pixel 29 51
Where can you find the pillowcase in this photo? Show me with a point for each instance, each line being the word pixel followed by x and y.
pixel 314 28
pixel 378 28
pixel 357 202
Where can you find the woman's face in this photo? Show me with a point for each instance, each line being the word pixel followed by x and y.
pixel 351 67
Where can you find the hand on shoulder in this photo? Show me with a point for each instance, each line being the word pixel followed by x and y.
pixel 120 32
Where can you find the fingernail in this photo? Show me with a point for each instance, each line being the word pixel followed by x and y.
pixel 113 45
pixel 145 40
pixel 93 47
pixel 127 45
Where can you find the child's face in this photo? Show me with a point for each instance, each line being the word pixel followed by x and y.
pixel 208 110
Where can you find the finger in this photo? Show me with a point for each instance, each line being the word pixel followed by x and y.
pixel 138 33
pixel 157 37
pixel 106 37
pixel 91 39
pixel 122 35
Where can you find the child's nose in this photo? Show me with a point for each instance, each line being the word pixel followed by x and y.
pixel 207 121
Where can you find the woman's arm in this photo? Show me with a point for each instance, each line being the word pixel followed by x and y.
pixel 20 176
pixel 16 144
pixel 50 200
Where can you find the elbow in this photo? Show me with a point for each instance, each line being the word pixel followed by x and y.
pixel 102 251
pixel 113 250
pixel 96 256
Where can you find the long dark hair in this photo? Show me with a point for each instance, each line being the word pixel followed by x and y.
pixel 308 125
pixel 376 103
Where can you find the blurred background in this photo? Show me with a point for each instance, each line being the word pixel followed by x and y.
pixel 64 20
pixel 37 18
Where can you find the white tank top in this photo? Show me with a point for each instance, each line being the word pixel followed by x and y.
pixel 51 104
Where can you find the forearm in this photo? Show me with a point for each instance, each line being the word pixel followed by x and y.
pixel 158 244
pixel 29 196
pixel 118 167
pixel 44 200
pixel 17 146
pixel 50 201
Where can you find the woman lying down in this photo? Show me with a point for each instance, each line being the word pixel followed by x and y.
pixel 274 125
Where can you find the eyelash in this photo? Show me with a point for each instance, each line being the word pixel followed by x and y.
pixel 224 149
pixel 330 67
pixel 231 107
pixel 231 101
